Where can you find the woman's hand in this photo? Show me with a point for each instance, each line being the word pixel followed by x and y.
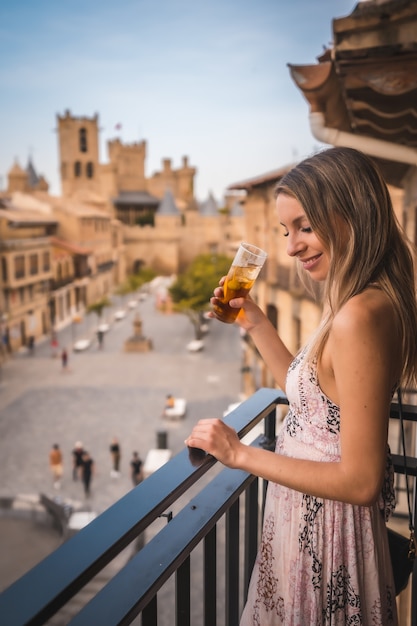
pixel 250 314
pixel 216 438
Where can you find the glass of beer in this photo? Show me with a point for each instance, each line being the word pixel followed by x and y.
pixel 242 274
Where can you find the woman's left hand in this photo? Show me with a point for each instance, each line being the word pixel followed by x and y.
pixel 216 438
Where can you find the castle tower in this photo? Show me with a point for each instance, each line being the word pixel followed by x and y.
pixel 78 153
pixel 128 163
pixel 17 179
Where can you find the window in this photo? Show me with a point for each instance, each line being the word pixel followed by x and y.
pixel 4 269
pixel 83 139
pixel 77 169
pixel 90 170
pixel 46 262
pixel 33 264
pixel 19 266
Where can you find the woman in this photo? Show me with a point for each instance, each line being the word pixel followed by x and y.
pixel 324 555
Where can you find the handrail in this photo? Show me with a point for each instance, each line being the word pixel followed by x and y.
pixel 41 593
pixel 48 586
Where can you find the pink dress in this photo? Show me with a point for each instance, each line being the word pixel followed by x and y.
pixel 320 562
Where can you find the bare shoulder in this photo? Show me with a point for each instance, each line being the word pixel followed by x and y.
pixel 370 312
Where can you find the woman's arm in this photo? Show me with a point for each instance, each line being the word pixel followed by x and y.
pixel 362 353
pixel 252 319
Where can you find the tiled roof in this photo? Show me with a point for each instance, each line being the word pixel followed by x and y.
pixel 209 207
pixel 27 218
pixel 167 205
pixel 73 248
pixel 136 197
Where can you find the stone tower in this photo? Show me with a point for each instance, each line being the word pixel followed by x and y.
pixel 128 164
pixel 78 153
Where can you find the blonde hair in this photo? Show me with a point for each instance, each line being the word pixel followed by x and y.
pixel 349 208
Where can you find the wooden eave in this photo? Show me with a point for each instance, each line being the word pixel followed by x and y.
pixel 367 84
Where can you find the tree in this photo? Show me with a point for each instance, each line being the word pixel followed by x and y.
pixel 98 306
pixel 193 289
pixel 135 281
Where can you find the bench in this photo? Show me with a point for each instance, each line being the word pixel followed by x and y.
pixel 177 411
pixel 59 510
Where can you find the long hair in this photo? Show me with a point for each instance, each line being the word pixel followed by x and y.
pixel 349 208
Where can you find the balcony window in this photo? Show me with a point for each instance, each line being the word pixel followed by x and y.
pixel 19 266
pixel 46 261
pixel 90 170
pixel 33 264
pixel 77 169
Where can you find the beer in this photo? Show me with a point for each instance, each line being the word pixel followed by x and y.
pixel 238 283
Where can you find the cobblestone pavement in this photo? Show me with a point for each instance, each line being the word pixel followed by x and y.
pixel 107 392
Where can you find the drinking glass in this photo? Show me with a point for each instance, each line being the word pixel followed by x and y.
pixel 240 278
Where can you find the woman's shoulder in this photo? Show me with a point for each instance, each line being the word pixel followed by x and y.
pixel 372 309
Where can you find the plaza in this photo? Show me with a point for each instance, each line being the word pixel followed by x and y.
pixel 104 393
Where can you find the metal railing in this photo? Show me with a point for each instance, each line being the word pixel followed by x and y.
pixel 167 557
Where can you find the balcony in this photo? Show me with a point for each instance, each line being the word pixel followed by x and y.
pixel 184 553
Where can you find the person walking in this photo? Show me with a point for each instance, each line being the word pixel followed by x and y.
pixel 77 459
pixel 115 453
pixel 64 360
pixel 87 472
pixel 324 556
pixel 56 465
pixel 136 469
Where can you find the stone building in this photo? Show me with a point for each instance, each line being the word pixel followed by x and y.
pixel 163 225
pixel 111 220
pixel 26 228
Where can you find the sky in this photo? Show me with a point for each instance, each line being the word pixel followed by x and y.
pixel 203 79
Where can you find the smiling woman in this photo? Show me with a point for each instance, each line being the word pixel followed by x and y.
pixel 324 555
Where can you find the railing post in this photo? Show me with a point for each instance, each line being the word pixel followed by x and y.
pixel 183 594
pixel 232 565
pixel 251 532
pixel 150 613
pixel 210 578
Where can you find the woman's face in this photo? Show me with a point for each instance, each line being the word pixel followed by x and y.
pixel 302 242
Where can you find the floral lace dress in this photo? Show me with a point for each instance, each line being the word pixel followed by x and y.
pixel 320 562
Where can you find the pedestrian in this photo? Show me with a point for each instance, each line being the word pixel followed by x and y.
pixel 324 556
pixel 64 359
pixel 56 465
pixel 77 459
pixel 87 472
pixel 100 337
pixel 115 453
pixel 136 469
pixel 54 345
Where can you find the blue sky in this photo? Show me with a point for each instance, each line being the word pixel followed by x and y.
pixel 206 79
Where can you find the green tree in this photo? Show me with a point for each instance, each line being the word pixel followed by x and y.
pixel 136 281
pixel 98 306
pixel 193 289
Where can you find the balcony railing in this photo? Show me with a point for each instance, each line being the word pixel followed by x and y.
pixel 213 589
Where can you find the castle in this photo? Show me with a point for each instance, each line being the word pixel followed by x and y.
pixel 61 254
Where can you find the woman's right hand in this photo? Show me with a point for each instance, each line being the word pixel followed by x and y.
pixel 250 314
